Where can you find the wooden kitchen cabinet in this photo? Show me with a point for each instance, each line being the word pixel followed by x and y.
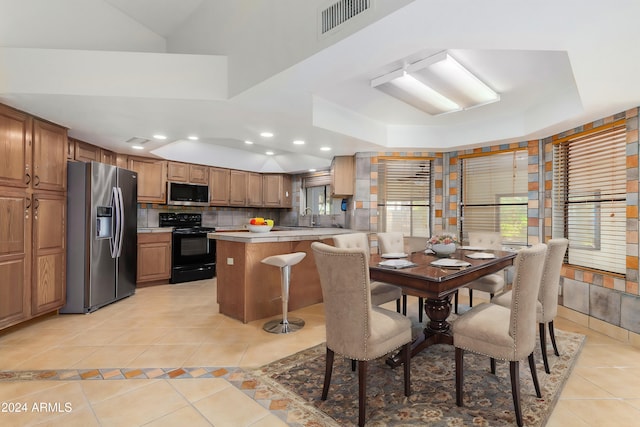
pixel 276 190
pixel 343 176
pixel 154 257
pixel 15 266
pixel 219 186
pixel 254 189
pixel 86 152
pixel 15 144
pixel 48 289
pixel 152 178
pixel 108 157
pixel 185 172
pixel 49 156
pixel 33 180
pixel 238 187
pixel 178 172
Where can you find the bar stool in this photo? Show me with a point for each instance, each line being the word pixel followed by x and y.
pixel 284 262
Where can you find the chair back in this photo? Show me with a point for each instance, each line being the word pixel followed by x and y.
pixel 344 278
pixel 526 283
pixel 486 239
pixel 390 242
pixel 415 244
pixel 548 294
pixel 353 241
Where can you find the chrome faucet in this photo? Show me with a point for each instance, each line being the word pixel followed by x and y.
pixel 304 213
pixel 308 212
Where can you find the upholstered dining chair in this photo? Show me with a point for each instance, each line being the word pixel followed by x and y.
pixel 547 304
pixel 381 293
pixel 504 333
pixel 395 242
pixel 491 283
pixel 355 328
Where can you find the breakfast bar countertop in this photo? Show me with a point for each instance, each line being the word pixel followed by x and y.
pixel 281 235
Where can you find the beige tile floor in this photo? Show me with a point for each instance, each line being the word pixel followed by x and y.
pixel 179 325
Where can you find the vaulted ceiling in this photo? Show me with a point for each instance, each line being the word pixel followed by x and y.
pixel 224 71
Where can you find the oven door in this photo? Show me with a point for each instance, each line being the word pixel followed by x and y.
pixel 193 249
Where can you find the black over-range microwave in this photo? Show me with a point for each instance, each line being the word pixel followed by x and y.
pixel 179 193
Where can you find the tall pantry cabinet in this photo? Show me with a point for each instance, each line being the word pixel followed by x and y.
pixel 33 180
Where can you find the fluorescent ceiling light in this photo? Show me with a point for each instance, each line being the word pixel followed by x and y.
pixel 137 147
pixel 325 148
pixel 269 153
pixel 193 137
pixel 298 142
pixel 158 136
pixel 248 142
pixel 266 134
pixel 436 85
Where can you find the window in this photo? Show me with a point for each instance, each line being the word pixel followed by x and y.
pixel 404 196
pixel 589 198
pixel 319 199
pixel 317 193
pixel 494 195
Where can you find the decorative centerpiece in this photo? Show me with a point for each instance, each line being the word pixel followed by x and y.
pixel 443 245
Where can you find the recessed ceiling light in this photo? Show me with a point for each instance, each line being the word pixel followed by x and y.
pixel 325 148
pixel 158 136
pixel 312 170
pixel 266 134
pixel 298 142
pixel 193 138
pixel 248 142
pixel 269 153
pixel 137 147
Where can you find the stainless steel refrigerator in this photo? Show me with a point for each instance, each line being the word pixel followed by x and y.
pixel 101 235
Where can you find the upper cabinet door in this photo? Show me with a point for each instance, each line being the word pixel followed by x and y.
pixel 152 179
pixel 219 186
pixel 178 172
pixel 15 146
pixel 238 188
pixel 198 174
pixel 49 156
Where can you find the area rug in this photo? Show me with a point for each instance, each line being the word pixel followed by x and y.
pixel 487 398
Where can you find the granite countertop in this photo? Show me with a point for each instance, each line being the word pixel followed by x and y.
pixel 155 230
pixel 289 235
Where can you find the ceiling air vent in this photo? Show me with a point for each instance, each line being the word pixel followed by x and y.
pixel 341 11
pixel 137 141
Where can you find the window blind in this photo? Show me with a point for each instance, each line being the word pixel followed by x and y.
pixel 589 199
pixel 494 195
pixel 404 195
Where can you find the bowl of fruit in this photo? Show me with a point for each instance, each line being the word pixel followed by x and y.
pixel 260 225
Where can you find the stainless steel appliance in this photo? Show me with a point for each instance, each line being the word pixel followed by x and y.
pixel 101 235
pixel 193 254
pixel 179 193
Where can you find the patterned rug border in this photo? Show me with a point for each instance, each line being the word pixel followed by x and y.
pixel 551 390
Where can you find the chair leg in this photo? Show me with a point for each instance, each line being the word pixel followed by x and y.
pixel 327 373
pixel 543 348
pixel 493 366
pixel 404 304
pixel 420 308
pixel 552 334
pixel 353 365
pixel 470 297
pixel 515 389
pixel 455 303
pixel 459 375
pixel 534 375
pixel 362 391
pixel 407 369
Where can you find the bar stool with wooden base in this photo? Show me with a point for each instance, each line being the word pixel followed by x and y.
pixel 284 262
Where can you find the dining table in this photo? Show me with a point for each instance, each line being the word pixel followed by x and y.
pixel 437 284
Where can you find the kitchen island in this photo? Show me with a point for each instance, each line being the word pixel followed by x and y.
pixel 249 290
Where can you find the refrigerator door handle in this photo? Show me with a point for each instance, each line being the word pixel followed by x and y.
pixel 115 238
pixel 120 223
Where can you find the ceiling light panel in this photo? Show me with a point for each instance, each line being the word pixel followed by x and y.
pixel 436 85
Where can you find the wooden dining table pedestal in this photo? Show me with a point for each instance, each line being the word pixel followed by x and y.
pixel 437 285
